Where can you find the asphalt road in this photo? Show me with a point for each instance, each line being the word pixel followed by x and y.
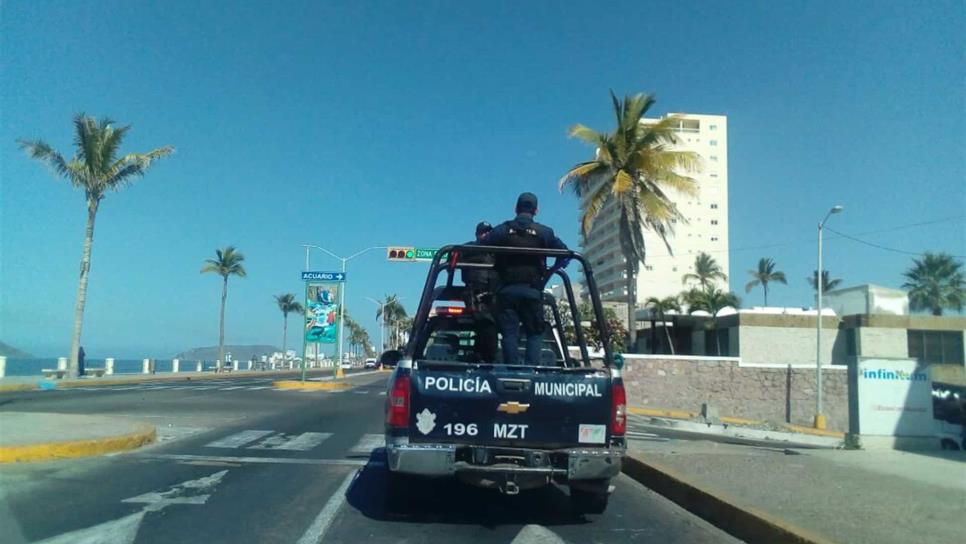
pixel 243 462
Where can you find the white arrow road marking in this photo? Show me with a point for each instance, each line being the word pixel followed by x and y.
pixel 300 442
pixel 117 531
pixel 238 439
pixel 537 534
pixel 189 492
pixel 316 532
pixel 125 530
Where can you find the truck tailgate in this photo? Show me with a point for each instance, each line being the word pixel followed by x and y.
pixel 521 407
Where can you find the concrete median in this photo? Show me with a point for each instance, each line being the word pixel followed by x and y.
pixel 33 437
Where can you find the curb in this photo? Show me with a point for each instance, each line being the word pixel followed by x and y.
pixel 745 523
pixel 311 386
pixel 51 451
pixel 681 414
pixel 100 382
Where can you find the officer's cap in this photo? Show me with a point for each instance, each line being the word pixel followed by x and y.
pixel 483 227
pixel 526 202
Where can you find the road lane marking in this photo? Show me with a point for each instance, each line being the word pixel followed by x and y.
pixel 259 387
pixel 316 532
pixel 300 442
pixel 382 393
pixel 188 492
pixel 368 442
pixel 537 534
pixel 232 388
pixel 119 531
pixel 238 439
pixel 269 460
pixel 361 392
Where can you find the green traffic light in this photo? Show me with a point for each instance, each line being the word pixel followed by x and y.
pixel 409 254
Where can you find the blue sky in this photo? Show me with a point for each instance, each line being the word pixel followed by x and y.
pixel 351 124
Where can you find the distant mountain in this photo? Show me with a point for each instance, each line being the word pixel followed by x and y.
pixel 238 353
pixel 14 353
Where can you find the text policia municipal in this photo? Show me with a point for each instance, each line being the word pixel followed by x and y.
pixel 482 385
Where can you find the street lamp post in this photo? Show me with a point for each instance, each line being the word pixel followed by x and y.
pixel 338 366
pixel 819 422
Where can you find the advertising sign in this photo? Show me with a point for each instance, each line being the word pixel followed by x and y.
pixel 894 397
pixel 322 312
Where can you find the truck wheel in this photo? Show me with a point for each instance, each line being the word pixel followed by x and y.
pixel 589 502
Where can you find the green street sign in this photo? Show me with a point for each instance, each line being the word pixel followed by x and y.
pixel 425 253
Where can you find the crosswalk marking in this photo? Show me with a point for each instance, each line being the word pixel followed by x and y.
pixel 361 392
pixel 382 393
pixel 298 442
pixel 368 442
pixel 238 439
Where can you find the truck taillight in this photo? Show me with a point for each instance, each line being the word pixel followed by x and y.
pixel 618 410
pixel 398 413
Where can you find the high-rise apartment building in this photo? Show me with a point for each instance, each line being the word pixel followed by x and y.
pixel 705 228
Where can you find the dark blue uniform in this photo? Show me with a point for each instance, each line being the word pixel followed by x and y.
pixel 519 298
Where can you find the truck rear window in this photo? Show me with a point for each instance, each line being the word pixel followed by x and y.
pixel 454 340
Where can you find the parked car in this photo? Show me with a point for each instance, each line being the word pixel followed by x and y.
pixel 371 363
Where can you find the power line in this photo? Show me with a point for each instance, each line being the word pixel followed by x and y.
pixel 810 240
pixel 892 249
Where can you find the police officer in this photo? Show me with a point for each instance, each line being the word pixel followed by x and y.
pixel 522 278
pixel 480 284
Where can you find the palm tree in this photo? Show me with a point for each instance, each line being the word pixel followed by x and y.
pixel 935 282
pixel 226 263
pixel 765 274
pixel 711 300
pixel 636 171
pixel 288 305
pixel 392 312
pixel 706 270
pixel 96 169
pixel 662 306
pixel 827 284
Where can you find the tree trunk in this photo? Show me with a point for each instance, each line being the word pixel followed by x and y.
pixel 85 267
pixel 284 335
pixel 667 331
pixel 764 287
pixel 631 306
pixel 221 325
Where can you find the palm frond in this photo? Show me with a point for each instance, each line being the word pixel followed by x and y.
pixel 593 207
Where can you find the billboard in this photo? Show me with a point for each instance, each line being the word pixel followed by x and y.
pixel 894 397
pixel 322 312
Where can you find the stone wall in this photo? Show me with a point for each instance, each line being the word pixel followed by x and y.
pixel 754 392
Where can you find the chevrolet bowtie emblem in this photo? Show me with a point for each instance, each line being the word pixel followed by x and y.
pixel 513 407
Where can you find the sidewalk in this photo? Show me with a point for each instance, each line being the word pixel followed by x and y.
pixel 26 437
pixel 853 496
pixel 30 383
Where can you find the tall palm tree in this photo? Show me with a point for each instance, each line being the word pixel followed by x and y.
pixel 227 262
pixel 636 171
pixel 392 311
pixel 95 168
pixel 765 274
pixel 706 270
pixel 288 305
pixel 935 282
pixel 662 306
pixel 827 283
pixel 711 300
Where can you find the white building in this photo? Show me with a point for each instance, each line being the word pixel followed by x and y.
pixel 705 228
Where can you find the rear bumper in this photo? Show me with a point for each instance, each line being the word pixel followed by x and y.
pixel 450 459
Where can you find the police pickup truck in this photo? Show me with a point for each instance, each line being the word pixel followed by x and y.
pixel 452 412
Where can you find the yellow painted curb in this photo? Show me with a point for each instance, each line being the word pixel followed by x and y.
pixel 311 386
pixel 817 432
pixel 746 523
pixel 655 412
pixel 17 387
pixel 78 448
pixel 739 421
